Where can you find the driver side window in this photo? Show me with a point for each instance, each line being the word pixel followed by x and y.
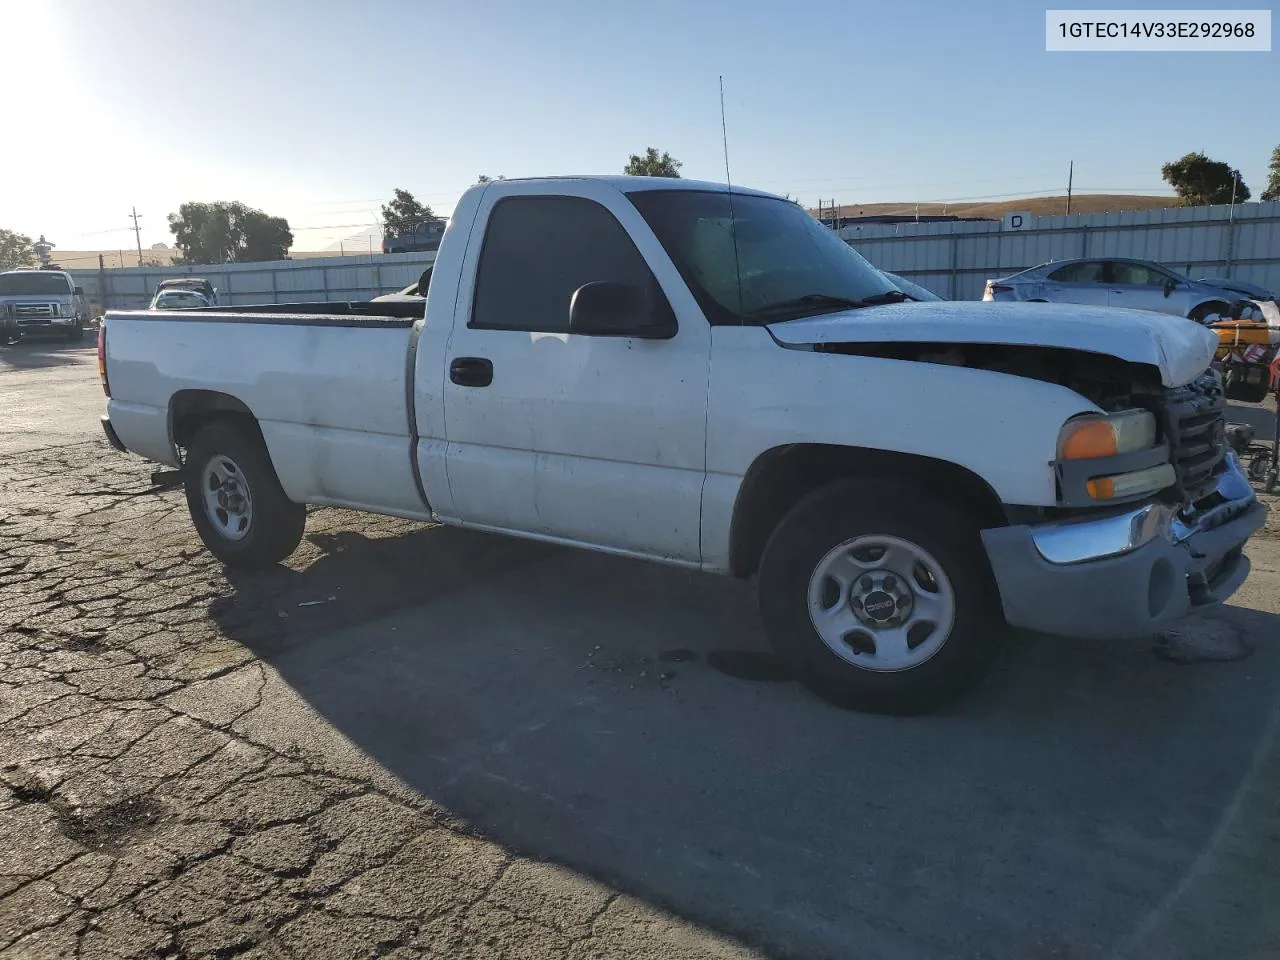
pixel 538 250
pixel 1137 275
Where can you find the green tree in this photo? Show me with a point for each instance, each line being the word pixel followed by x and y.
pixel 1198 180
pixel 15 250
pixel 651 164
pixel 228 232
pixel 403 213
pixel 1273 177
pixel 485 178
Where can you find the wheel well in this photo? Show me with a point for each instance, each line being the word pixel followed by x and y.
pixel 189 410
pixel 780 477
pixel 1219 305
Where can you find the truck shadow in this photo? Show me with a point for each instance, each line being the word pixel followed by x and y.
pixel 569 706
pixel 32 354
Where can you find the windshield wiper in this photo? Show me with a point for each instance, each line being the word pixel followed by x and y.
pixel 830 300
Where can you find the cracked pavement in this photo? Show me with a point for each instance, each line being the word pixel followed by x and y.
pixel 417 742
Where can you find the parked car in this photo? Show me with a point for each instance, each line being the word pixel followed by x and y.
pixel 423 237
pixel 912 289
pixel 414 291
pixel 1136 284
pixel 657 369
pixel 41 302
pixel 178 299
pixel 198 284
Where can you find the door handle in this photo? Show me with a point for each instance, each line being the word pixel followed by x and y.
pixel 471 371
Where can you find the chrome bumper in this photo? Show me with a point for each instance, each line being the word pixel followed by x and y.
pixel 1127 573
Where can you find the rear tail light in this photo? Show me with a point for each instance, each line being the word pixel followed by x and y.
pixel 102 356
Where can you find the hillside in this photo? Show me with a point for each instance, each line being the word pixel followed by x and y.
pixel 1037 206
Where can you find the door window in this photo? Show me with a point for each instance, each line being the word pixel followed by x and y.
pixel 538 250
pixel 1088 271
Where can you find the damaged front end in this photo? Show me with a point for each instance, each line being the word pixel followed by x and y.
pixel 1115 557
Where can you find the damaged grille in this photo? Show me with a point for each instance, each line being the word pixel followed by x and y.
pixel 1194 421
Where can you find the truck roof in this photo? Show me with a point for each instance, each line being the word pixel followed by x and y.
pixel 632 184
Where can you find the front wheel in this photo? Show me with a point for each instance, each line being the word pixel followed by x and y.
pixel 879 596
pixel 235 498
pixel 77 331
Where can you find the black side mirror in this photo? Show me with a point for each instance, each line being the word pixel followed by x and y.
pixel 424 281
pixel 1170 285
pixel 79 291
pixel 608 308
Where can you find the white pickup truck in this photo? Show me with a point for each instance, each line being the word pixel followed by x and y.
pixel 709 378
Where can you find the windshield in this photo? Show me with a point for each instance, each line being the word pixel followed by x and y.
pixel 34 284
pixel 181 299
pixel 785 265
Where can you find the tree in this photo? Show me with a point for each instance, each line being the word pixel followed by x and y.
pixel 652 165
pixel 1199 180
pixel 1273 177
pixel 485 178
pixel 228 232
pixel 403 213
pixel 15 250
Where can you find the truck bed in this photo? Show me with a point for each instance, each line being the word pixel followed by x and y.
pixel 328 384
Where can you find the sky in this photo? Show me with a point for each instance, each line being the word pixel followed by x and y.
pixel 316 110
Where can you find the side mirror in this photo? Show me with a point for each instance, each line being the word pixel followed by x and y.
pixel 1170 285
pixel 79 291
pixel 424 281
pixel 608 308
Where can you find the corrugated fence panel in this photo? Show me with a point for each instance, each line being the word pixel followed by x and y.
pixel 280 281
pixel 956 258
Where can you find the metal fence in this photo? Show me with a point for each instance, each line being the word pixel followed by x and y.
pixel 280 281
pixel 952 259
pixel 956 259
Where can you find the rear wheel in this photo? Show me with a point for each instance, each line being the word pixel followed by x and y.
pixel 235 498
pixel 879 596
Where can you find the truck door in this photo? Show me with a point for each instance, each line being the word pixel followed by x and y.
pixel 595 439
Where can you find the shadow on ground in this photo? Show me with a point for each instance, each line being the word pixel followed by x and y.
pixel 570 706
pixel 32 353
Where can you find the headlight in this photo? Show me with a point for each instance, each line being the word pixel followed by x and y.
pixel 1097 435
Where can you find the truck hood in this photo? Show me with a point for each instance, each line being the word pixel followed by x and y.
pixel 1180 348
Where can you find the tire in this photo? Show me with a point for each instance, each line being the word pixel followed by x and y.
pixel 76 332
pixel 930 668
pixel 1202 312
pixel 228 457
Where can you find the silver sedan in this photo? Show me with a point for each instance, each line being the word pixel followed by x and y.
pixel 1137 284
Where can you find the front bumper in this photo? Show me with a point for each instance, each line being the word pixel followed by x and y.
pixel 1126 574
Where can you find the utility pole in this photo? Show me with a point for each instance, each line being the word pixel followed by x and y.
pixel 1071 172
pixel 137 234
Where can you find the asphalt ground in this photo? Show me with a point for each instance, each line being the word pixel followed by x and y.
pixel 414 741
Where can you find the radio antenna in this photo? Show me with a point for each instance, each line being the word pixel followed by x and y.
pixel 733 223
